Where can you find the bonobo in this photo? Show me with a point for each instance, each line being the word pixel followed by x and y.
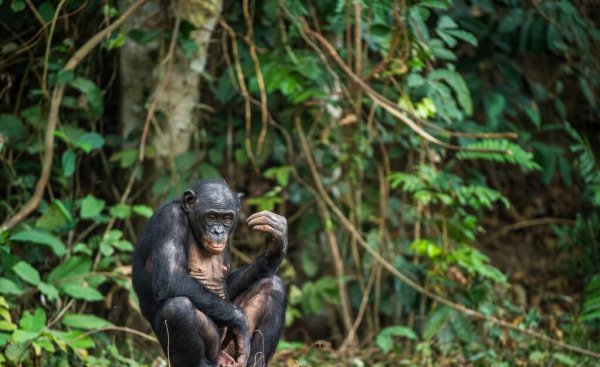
pixel 203 313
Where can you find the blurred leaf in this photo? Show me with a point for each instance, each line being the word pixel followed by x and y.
pixel 86 322
pixel 81 291
pixel 11 126
pixel 27 273
pixel 90 141
pixel 68 163
pixel 456 81
pixel 93 95
pixel 46 11
pixel 7 286
pixel 42 238
pixel 143 36
pixel 436 321
pixel 511 21
pixel 91 206
pixel 73 267
pixel 17 5
pixel 385 340
pixel 121 211
pixel 143 211
pixel 33 322
pixel 48 290
pixel 564 359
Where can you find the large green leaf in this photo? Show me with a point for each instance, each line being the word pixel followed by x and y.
pixel 73 268
pixel 88 322
pixel 42 238
pixel 27 272
pixel 81 290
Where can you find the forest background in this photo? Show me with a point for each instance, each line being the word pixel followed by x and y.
pixel 436 161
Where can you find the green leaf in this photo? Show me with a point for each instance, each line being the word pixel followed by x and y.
pixel 564 359
pixel 27 272
pixel 518 156
pixel 17 5
pixel 7 326
pixel 385 340
pixel 436 321
pixel 143 36
pixel 92 93
pixel 123 245
pixel 11 126
pixel 511 21
pixel 587 91
pixel 534 114
pixel 34 323
pixel 126 158
pixel 82 291
pixel 68 163
pixel 73 267
pixel 463 35
pixel 42 238
pixel 46 11
pixel 65 76
pixel 456 82
pixel 7 286
pixel 90 141
pixel 143 210
pixel 74 339
pixel 48 290
pixel 87 322
pixel 21 336
pixel 121 211
pixel 91 207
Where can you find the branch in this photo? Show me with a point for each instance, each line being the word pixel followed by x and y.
pixel 387 105
pixel 411 283
pixel 57 95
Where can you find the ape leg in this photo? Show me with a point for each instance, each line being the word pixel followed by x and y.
pixel 187 336
pixel 264 304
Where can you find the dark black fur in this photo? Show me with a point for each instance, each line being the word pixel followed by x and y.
pixel 168 296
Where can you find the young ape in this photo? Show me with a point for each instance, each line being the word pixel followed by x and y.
pixel 203 313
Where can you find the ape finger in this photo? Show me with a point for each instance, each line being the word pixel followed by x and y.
pixel 264 228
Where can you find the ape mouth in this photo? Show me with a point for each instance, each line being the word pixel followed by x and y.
pixel 214 246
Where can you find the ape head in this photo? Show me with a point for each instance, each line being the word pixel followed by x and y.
pixel 212 209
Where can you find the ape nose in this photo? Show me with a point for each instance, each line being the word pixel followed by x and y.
pixel 218 230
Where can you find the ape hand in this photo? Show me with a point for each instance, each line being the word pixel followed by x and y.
pixel 273 224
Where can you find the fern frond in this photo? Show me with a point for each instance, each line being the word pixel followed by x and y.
pixel 479 196
pixel 518 156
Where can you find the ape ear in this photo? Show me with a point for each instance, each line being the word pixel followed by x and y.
pixel 188 200
pixel 240 195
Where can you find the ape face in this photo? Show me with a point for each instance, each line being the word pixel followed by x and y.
pixel 212 212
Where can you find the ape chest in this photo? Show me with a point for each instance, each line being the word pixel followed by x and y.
pixel 208 270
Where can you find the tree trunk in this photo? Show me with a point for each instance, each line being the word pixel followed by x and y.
pixel 146 75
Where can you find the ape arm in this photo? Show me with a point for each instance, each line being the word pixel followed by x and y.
pixel 170 277
pixel 266 265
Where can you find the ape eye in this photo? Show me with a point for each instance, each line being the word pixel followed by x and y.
pixel 211 217
pixel 227 219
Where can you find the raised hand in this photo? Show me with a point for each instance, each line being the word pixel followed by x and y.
pixel 273 224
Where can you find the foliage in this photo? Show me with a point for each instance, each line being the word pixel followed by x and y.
pixel 473 74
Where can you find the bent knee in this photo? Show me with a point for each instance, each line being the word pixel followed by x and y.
pixel 176 307
pixel 272 285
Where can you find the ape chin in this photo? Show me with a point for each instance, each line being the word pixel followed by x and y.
pixel 204 313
